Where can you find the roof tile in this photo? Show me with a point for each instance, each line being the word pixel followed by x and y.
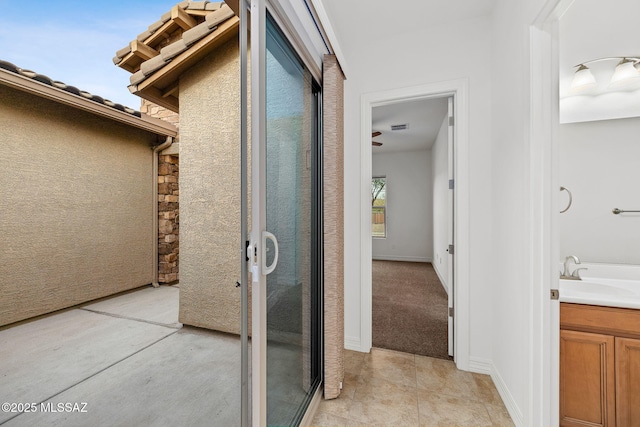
pixel 144 35
pixel 8 66
pixel 220 15
pixel 196 33
pixel 124 51
pixel 72 89
pixel 214 6
pixel 137 77
pixel 205 17
pixel 153 64
pixel 27 73
pixel 154 27
pixel 41 78
pixel 197 5
pixel 171 51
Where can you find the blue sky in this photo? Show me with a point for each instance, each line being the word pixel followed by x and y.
pixel 74 41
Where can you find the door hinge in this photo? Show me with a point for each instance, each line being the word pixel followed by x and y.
pixel 555 294
pixel 452 120
pixel 452 184
pixel 450 311
pixel 450 249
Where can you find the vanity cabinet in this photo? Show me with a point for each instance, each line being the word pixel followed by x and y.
pixel 599 366
pixel 628 381
pixel 587 379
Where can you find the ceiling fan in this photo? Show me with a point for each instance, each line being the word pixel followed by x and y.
pixel 374 143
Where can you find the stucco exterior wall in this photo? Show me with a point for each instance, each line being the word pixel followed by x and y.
pixel 77 196
pixel 210 192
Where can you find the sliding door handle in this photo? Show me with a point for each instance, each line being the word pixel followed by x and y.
pixel 269 269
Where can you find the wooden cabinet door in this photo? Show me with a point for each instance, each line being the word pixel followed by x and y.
pixel 587 382
pixel 628 382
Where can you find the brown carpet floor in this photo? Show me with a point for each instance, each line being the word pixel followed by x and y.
pixel 409 308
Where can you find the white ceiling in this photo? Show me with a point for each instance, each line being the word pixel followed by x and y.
pixel 358 22
pixel 424 117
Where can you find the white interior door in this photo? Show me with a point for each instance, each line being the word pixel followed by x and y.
pixel 450 226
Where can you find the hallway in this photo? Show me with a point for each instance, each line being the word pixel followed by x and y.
pixel 409 308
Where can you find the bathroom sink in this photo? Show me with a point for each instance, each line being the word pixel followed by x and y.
pixel 584 287
pixel 601 291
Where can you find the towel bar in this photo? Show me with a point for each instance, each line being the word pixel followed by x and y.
pixel 617 211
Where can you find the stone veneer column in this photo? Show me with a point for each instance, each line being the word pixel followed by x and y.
pixel 168 199
pixel 168 218
pixel 333 193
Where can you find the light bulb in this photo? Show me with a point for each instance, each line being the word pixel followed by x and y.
pixel 583 79
pixel 626 73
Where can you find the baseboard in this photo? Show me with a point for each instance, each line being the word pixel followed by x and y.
pixel 442 280
pixel 507 398
pixel 401 258
pixel 480 365
pixel 353 343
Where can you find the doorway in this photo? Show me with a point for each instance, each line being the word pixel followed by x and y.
pixel 458 91
pixel 412 225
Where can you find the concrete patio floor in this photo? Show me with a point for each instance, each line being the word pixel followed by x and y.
pixel 122 361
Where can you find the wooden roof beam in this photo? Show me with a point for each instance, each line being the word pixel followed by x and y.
pixel 154 95
pixel 161 33
pixel 171 89
pixel 140 52
pixel 143 51
pixel 182 18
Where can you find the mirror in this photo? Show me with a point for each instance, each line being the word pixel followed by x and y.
pixel 598 34
pixel 599 137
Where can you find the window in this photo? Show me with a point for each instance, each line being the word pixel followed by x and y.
pixel 379 206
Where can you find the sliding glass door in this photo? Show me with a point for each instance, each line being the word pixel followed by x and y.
pixel 286 233
pixel 291 206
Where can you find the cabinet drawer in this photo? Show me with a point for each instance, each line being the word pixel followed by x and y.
pixel 620 322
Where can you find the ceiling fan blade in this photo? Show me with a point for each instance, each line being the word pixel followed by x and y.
pixel 377 144
pixel 374 134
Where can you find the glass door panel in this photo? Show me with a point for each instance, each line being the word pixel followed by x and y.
pixel 291 207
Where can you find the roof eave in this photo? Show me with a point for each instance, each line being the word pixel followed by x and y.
pixel 37 88
pixel 160 87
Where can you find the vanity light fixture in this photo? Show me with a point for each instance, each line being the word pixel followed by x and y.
pixel 583 79
pixel 627 71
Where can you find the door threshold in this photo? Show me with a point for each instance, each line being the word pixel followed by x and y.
pixel 313 407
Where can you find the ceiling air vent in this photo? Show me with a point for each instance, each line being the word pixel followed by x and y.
pixel 400 127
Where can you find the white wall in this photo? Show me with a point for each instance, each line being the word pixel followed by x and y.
pixel 441 215
pixel 427 55
pixel 515 369
pixel 600 165
pixel 409 193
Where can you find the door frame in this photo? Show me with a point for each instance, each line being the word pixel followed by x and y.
pixel 544 364
pixel 458 89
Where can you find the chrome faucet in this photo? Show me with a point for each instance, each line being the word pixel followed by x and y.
pixel 575 275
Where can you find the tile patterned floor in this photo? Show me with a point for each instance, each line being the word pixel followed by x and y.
pixel 391 388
